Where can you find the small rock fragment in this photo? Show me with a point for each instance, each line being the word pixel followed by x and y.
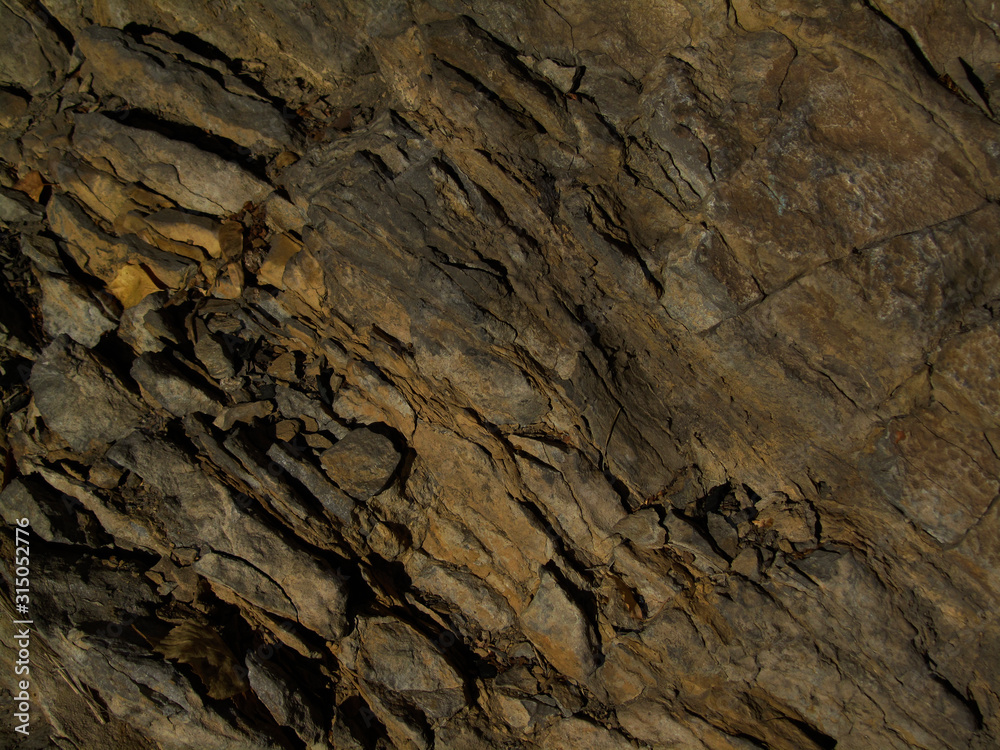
pixel 794 522
pixel 562 76
pixel 243 413
pixel 132 285
pixel 682 535
pixel 193 229
pixel 165 387
pixel 723 533
pixel 386 541
pixel 284 367
pixel 337 504
pixel 311 411
pixel 286 430
pixel 211 353
pixel 747 564
pixel 133 328
pixel 643 529
pixel 229 282
pixel 68 308
pixel 17 208
pixel 318 441
pixel 104 474
pixel 272 270
pixel 288 705
pixel 361 463
pixel 12 108
pixel 23 499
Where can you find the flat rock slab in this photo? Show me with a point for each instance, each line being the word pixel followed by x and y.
pixel 80 399
pixel 193 178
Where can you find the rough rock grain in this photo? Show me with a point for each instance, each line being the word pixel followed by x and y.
pixel 504 374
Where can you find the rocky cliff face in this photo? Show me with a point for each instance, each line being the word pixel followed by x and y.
pixel 504 374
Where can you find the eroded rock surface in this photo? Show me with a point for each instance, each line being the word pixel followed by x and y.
pixel 504 374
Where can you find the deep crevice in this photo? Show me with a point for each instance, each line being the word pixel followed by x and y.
pixel 53 24
pixel 820 739
pixel 225 149
pixel 977 83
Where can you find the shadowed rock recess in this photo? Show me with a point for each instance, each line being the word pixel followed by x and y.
pixel 503 373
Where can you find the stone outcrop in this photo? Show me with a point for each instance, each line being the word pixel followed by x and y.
pixel 503 374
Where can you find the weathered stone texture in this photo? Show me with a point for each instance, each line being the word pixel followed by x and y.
pixel 538 374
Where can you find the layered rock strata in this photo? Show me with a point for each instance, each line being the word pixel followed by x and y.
pixel 504 374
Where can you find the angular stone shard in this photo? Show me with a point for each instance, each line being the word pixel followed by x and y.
pixel 94 250
pixel 294 404
pixel 16 208
pixel 471 597
pixel 67 307
pixel 642 528
pixel 134 329
pixel 394 656
pixel 246 412
pixel 132 285
pixel 683 536
pixel 212 353
pixel 337 504
pixel 560 630
pixel 723 533
pixel 53 515
pixel 366 396
pixel 218 239
pixel 272 270
pixel 289 705
pixel 165 387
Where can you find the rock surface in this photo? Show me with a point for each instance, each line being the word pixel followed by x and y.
pixel 503 374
